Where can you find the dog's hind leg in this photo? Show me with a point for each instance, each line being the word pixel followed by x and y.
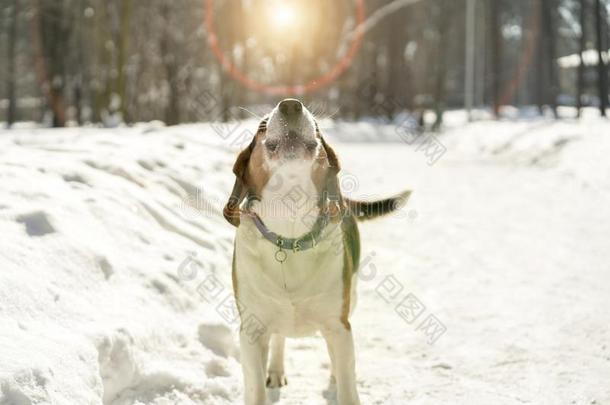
pixel 332 380
pixel 275 375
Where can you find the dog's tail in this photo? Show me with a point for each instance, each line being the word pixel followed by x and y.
pixel 365 210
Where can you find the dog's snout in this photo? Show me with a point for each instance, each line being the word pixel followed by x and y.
pixel 291 129
pixel 290 107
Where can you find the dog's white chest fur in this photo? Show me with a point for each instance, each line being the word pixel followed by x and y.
pixel 293 298
pixel 299 296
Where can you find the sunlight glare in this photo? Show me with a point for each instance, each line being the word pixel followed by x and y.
pixel 284 15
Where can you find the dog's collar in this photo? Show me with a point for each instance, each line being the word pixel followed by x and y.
pixel 304 242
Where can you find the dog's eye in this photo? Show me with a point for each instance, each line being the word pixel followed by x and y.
pixel 311 146
pixel 272 145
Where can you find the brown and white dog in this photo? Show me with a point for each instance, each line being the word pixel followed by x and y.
pixel 297 250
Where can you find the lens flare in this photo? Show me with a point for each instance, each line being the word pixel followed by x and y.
pixel 294 89
pixel 283 15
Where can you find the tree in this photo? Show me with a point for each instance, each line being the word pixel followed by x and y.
pixel 582 47
pixel 170 63
pixel 395 65
pixel 602 68
pixel 51 30
pixel 121 60
pixel 469 56
pixel 496 53
pixel 10 68
pixel 443 28
pixel 547 87
pixel 548 24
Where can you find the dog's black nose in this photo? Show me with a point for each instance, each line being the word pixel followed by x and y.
pixel 291 107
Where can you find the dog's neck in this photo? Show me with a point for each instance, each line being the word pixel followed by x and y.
pixel 288 204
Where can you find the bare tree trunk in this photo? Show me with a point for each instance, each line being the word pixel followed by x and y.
pixel 227 84
pixel 496 54
pixel 602 69
pixel 172 112
pixel 540 59
pixel 481 54
pixel 396 69
pixel 581 66
pixel 10 69
pixel 242 34
pixel 79 60
pixel 101 88
pixel 49 40
pixel 444 21
pixel 549 34
pixel 121 68
pixel 471 6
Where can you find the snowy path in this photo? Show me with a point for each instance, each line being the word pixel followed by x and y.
pixel 509 250
pixel 514 261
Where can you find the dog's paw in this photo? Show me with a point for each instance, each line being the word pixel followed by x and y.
pixel 276 379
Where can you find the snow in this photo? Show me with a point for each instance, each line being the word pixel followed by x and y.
pixel 115 260
pixel 590 58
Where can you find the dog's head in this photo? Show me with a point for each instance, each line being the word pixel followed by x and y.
pixel 289 133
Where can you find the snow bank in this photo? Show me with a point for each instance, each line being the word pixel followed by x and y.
pixel 93 308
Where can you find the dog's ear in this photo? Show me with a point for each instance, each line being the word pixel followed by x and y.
pixel 332 190
pixel 333 160
pixel 240 188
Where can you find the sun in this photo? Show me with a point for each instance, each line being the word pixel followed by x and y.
pixel 283 15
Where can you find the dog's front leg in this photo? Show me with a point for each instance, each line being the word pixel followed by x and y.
pixel 275 373
pixel 254 361
pixel 341 349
